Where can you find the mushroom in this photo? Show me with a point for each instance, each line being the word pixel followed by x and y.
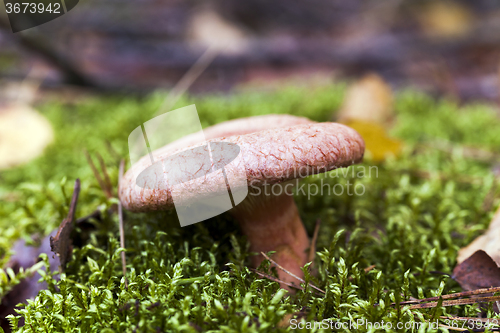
pixel 275 149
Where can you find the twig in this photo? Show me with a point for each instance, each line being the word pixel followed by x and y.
pixel 455 295
pixel 102 185
pixel 122 231
pixel 112 151
pixel 483 320
pixel 312 249
pixel 272 278
pixel 462 301
pixel 290 273
pixel 109 186
pixel 188 79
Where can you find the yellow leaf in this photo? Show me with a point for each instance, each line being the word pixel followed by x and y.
pixel 378 143
pixel 370 99
pixel 24 133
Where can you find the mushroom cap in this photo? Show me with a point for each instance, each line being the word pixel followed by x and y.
pixel 269 156
pixel 238 126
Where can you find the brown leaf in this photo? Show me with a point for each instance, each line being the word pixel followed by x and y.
pixel 478 271
pixel 62 243
pixel 368 108
pixel 488 242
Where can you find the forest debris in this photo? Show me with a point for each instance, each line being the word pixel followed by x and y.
pixel 368 108
pixel 477 271
pixel 488 242
pixel 62 244
pixel 463 301
pixel 369 100
pixel 24 133
pixel 105 186
pixel 208 28
pixel 290 273
pixel 121 225
pixel 312 248
pixel 377 142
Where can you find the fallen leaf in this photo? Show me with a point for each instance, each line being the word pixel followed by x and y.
pixel 489 242
pixel 477 271
pixel 368 108
pixel 369 100
pixel 24 133
pixel 209 29
pixel 62 243
pixel 378 144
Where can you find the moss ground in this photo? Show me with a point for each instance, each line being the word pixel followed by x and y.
pixel 416 211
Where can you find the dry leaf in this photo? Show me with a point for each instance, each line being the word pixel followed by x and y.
pixel 477 271
pixel 62 244
pixel 369 100
pixel 24 133
pixel 209 29
pixel 368 108
pixel 378 144
pixel 489 242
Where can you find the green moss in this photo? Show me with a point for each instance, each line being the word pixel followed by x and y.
pixel 196 278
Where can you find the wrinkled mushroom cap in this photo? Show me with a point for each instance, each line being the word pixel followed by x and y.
pixel 270 156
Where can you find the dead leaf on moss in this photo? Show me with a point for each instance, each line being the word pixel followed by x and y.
pixel 24 133
pixel 489 242
pixel 62 243
pixel 369 100
pixel 378 144
pixel 476 272
pixel 368 108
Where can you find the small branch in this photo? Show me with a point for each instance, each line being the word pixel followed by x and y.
pixel 272 278
pixel 312 249
pixel 109 186
pixel 463 301
pixel 454 295
pixel 290 273
pixel 97 176
pixel 121 226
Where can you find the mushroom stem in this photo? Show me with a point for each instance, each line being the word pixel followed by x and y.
pixel 272 223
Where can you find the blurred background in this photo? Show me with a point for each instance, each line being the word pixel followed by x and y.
pixel 440 47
